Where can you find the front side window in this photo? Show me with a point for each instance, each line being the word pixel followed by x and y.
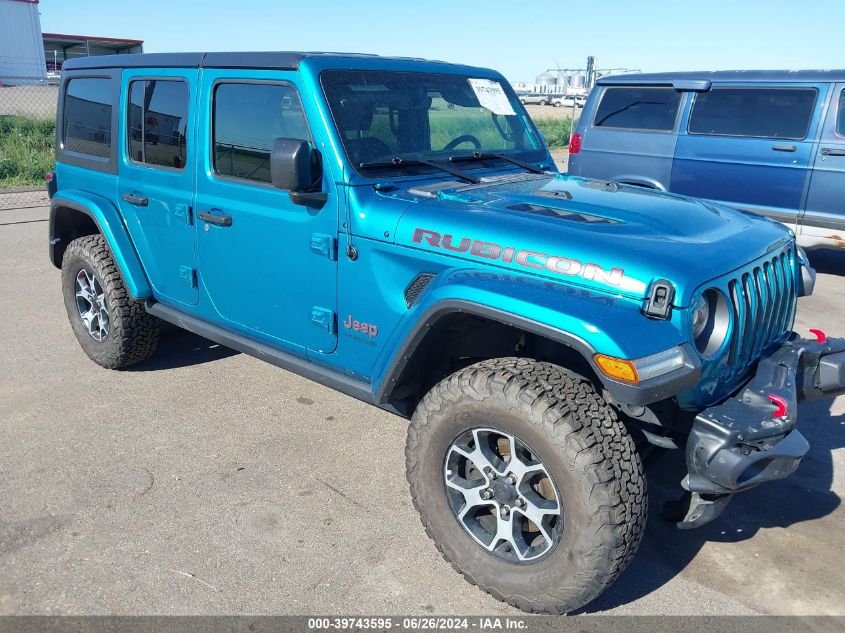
pixel 382 116
pixel 158 120
pixel 753 112
pixel 86 116
pixel 634 108
pixel 248 118
pixel 840 120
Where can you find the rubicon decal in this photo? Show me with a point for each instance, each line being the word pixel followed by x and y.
pixel 529 259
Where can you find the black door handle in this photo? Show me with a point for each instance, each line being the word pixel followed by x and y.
pixel 218 218
pixel 832 151
pixel 784 148
pixel 135 198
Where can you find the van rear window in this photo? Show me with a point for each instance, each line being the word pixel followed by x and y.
pixel 87 117
pixel 755 112
pixel 637 108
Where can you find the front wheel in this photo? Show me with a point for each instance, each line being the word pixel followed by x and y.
pixel 527 482
pixel 111 327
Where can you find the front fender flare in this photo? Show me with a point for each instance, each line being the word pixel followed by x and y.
pixel 585 321
pixel 110 223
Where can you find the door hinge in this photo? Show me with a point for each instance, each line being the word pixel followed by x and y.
pixel 324 319
pixel 324 245
pixel 183 212
pixel 188 276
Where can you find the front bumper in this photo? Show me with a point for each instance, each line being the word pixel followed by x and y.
pixel 751 438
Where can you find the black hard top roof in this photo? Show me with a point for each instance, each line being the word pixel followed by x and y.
pixel 277 60
pixel 751 76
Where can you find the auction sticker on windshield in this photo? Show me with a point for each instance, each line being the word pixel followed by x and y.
pixel 492 96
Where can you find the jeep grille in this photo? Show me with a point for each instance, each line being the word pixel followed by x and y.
pixel 763 297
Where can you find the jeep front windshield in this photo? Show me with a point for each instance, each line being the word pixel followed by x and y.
pixel 387 120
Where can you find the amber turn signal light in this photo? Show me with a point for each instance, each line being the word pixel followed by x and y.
pixel 617 368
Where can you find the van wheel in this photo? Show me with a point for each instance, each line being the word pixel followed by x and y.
pixel 111 327
pixel 527 482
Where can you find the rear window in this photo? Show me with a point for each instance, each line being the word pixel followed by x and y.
pixel 635 108
pixel 840 121
pixel 158 119
pixel 86 122
pixel 755 112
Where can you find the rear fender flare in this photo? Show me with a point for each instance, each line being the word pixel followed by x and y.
pixel 110 224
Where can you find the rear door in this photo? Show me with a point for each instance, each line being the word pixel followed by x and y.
pixel 824 215
pixel 631 137
pixel 750 147
pixel 156 181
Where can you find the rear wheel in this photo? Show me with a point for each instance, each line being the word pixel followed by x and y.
pixel 527 482
pixel 111 327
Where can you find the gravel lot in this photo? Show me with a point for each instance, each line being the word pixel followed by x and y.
pixel 205 481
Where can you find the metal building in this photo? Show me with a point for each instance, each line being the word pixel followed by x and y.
pixel 21 46
pixel 59 47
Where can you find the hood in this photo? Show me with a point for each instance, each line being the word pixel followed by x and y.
pixel 602 235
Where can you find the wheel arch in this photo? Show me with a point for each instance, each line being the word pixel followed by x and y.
pixel 470 332
pixel 74 214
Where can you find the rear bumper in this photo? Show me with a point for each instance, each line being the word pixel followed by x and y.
pixel 752 437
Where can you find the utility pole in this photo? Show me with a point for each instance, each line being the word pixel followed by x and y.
pixel 590 79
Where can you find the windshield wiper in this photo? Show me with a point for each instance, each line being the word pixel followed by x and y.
pixel 413 162
pixel 490 156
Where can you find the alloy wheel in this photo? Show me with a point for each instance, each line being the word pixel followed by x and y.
pixel 91 303
pixel 502 495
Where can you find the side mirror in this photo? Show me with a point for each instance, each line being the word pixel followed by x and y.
pixel 297 168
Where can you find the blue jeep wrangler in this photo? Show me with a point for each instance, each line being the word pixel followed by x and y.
pixel 396 229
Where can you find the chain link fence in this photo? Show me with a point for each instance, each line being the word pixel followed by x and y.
pixel 27 139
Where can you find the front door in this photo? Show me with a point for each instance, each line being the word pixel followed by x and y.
pixel 824 215
pixel 750 147
pixel 156 182
pixel 267 265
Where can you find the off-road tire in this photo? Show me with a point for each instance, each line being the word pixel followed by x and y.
pixel 133 333
pixel 588 452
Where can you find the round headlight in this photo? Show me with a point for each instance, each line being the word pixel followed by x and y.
pixel 711 319
pixel 700 315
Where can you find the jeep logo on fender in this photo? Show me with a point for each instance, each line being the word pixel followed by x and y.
pixel 369 329
pixel 529 259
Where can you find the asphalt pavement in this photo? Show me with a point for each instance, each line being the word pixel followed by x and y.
pixel 206 481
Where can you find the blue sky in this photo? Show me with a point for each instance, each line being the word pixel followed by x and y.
pixel 521 39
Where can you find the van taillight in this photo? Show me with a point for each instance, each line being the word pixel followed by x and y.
pixel 575 143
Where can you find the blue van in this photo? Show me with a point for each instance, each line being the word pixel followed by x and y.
pixel 771 142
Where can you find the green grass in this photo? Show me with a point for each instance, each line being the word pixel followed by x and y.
pixel 26 144
pixel 26 150
pixel 556 131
